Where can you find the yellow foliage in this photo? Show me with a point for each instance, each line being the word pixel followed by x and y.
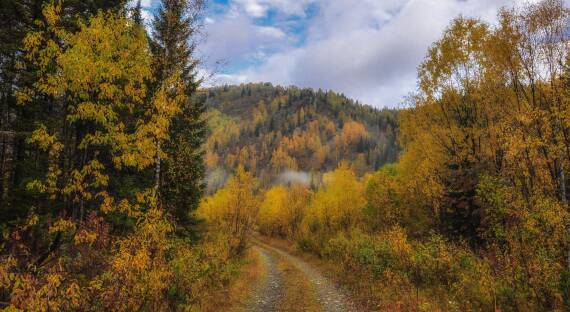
pixel 281 160
pixel 139 274
pixel 282 210
pixel 62 225
pixel 272 210
pixel 339 204
pixel 102 71
pixel 51 292
pixel 491 119
pixel 383 194
pixel 351 133
pixel 85 237
pixel 233 209
pixel 223 130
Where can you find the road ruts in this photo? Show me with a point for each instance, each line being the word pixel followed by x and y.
pixel 330 297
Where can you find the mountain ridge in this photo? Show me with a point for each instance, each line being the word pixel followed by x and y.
pixel 272 130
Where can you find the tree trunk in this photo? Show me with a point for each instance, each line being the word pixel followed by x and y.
pixel 562 178
pixel 7 159
pixel 157 170
pixel 562 186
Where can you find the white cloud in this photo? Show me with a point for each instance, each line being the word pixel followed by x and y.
pixel 271 32
pixel 253 7
pixel 259 8
pixel 147 3
pixel 236 36
pixel 367 49
pixel 294 177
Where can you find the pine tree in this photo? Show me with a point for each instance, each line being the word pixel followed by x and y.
pixel 174 35
pixel 137 13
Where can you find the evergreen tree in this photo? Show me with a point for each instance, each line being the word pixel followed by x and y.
pixel 174 36
pixel 137 13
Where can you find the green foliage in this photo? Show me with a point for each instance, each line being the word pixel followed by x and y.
pixel 180 183
pixel 390 268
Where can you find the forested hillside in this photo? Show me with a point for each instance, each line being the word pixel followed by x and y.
pixel 293 134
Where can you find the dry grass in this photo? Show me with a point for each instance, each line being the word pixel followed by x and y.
pixel 366 293
pixel 236 295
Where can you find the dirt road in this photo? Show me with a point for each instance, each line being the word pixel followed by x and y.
pixel 291 284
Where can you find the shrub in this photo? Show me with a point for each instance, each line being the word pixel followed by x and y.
pixel 199 271
pixel 434 274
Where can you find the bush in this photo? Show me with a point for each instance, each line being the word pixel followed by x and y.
pixel 199 271
pixel 433 274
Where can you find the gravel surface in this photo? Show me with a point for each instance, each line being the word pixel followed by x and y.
pixel 268 293
pixel 330 297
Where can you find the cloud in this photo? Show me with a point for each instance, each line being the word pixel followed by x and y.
pixel 253 7
pixel 294 177
pixel 148 3
pixel 367 49
pixel 259 8
pixel 236 36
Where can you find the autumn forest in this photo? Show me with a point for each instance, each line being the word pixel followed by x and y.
pixel 129 182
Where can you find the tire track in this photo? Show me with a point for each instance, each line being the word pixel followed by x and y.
pixel 269 291
pixel 330 297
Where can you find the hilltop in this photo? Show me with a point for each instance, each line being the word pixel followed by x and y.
pixel 288 133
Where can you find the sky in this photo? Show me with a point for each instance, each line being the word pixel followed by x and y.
pixel 367 49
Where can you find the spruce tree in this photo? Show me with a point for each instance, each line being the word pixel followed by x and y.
pixel 181 176
pixel 137 13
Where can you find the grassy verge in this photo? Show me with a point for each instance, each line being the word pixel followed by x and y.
pixel 389 273
pixel 236 295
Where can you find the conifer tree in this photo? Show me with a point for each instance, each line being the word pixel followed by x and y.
pixel 180 180
pixel 137 13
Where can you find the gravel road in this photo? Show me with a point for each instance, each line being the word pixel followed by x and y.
pixel 269 291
